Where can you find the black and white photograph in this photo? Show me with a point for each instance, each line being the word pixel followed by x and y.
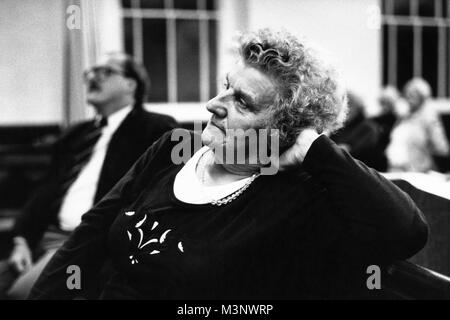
pixel 224 155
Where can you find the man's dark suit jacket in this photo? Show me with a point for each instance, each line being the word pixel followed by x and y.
pixel 135 134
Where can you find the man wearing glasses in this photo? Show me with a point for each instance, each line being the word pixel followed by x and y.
pixel 89 159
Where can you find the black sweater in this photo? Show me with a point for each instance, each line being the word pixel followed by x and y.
pixel 308 233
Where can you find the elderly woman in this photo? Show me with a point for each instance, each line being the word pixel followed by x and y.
pixel 210 229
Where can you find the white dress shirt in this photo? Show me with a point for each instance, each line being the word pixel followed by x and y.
pixel 80 195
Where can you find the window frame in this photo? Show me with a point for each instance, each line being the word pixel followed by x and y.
pixel 440 21
pixel 170 15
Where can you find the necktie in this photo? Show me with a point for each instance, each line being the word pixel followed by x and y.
pixel 82 151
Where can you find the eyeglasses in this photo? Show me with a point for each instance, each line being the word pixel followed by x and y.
pixel 100 73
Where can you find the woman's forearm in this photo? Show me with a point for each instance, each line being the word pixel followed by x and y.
pixel 366 200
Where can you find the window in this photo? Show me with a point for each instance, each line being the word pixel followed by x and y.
pixel 416 42
pixel 177 42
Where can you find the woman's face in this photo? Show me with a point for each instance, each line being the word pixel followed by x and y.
pixel 243 104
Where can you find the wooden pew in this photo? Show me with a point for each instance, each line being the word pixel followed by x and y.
pixel 406 280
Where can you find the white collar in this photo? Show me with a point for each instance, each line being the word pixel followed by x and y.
pixel 116 118
pixel 188 188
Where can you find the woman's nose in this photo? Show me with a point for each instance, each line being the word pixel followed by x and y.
pixel 217 107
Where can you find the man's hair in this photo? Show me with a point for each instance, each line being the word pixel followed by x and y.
pixel 308 93
pixel 135 70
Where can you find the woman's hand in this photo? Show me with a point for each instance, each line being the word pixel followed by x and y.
pixel 295 155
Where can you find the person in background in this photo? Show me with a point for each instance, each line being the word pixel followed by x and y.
pixel 360 135
pixel 88 160
pixel 388 101
pixel 420 135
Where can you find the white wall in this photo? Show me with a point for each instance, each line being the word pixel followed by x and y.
pixel 233 18
pixel 40 80
pixel 31 79
pixel 108 15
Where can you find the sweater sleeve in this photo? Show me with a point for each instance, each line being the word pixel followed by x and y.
pixel 373 210
pixel 86 247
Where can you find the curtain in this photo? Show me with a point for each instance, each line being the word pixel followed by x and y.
pixel 98 31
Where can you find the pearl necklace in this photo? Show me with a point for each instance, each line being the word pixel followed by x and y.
pixel 235 194
pixel 232 196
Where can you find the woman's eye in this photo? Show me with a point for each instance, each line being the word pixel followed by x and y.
pixel 242 102
pixel 226 85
